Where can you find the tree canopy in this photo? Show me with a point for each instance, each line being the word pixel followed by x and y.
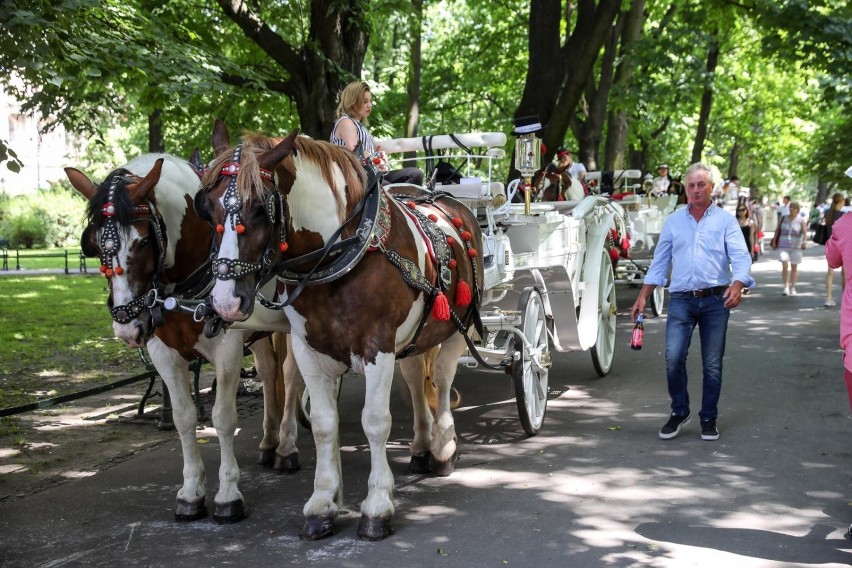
pixel 759 89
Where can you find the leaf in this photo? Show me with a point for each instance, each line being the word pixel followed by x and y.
pixel 441 552
pixel 614 428
pixel 203 441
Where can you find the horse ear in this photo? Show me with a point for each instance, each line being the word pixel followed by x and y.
pixel 81 183
pixel 149 182
pixel 195 159
pixel 268 160
pixel 221 138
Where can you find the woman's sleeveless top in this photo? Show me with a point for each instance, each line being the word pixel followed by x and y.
pixel 747 236
pixel 364 137
pixel 791 234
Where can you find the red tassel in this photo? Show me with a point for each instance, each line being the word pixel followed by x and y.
pixel 283 247
pixel 613 254
pixel 625 244
pixel 441 308
pixel 463 296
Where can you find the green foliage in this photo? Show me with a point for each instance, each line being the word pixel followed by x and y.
pixel 51 217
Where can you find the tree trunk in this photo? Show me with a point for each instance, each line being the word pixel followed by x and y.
pixel 155 132
pixel 734 159
pixel 616 137
pixel 414 74
pixel 314 73
pixel 707 97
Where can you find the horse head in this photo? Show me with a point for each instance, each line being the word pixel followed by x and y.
pixel 129 216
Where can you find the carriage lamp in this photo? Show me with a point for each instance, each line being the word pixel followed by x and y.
pixel 647 186
pixel 527 159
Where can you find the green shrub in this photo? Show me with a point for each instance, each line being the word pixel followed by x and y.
pixel 52 217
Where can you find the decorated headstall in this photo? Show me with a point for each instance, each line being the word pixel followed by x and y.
pixel 110 245
pixel 233 268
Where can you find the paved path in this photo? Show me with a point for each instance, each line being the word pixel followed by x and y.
pixel 595 488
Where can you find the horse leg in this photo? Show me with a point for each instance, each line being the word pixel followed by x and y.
pixel 287 454
pixel 175 373
pixel 228 356
pixel 444 430
pixel 377 509
pixel 414 371
pixel 320 373
pixel 266 363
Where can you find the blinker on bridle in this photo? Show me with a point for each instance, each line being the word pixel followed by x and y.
pixel 233 268
pixel 110 243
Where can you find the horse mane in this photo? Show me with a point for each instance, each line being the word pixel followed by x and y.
pixel 324 155
pixel 121 200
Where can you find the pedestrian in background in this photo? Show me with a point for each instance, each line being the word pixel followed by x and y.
pixel 710 269
pixel 838 253
pixel 790 239
pixel 833 213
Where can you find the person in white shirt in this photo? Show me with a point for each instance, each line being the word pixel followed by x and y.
pixel 662 181
pixel 566 163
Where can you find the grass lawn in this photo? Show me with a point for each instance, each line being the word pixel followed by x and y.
pixel 56 336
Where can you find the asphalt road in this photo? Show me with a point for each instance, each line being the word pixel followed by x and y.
pixel 595 488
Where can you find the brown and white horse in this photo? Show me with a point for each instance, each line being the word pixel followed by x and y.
pixel 403 276
pixel 152 243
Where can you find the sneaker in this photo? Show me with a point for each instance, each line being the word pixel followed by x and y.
pixel 829 303
pixel 709 430
pixel 673 426
pixel 792 291
pixel 786 291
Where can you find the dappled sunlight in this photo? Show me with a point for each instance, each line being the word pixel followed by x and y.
pixel 77 474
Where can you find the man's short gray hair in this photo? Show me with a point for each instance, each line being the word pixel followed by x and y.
pixel 699 166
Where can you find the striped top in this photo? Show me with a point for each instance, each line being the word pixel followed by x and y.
pixel 793 233
pixel 364 137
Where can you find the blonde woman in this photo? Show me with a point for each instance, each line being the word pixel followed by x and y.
pixel 838 200
pixel 789 239
pixel 350 130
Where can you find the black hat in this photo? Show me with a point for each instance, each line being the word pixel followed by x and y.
pixel 527 125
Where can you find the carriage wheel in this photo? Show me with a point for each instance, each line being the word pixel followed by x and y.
pixel 604 347
pixel 530 370
pixel 303 412
pixel 658 298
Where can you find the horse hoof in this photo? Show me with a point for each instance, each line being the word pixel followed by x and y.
pixel 443 469
pixel 316 528
pixel 266 458
pixel 186 511
pixel 375 528
pixel 229 513
pixel 420 463
pixel 287 464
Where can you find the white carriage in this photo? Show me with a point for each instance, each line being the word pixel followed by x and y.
pixel 645 216
pixel 549 281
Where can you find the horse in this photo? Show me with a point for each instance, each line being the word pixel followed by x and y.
pixel 142 225
pixel 551 184
pixel 365 278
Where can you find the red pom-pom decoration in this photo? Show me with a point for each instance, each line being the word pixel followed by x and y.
pixel 119 270
pixel 103 268
pixel 451 241
pixel 613 233
pixel 433 217
pixel 220 228
pixel 441 308
pixel 463 295
pixel 452 263
pixel 377 160
pixel 410 204
pixel 471 252
pixel 283 247
pixel 241 229
pixel 466 236
pixel 625 244
pixel 457 222
pixel 109 273
pixel 613 254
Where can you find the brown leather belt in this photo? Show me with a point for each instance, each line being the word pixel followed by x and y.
pixel 704 292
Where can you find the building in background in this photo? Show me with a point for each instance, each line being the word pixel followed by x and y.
pixel 43 155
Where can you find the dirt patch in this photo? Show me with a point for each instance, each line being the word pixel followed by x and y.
pixel 53 445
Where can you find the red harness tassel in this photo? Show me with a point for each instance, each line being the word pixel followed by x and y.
pixel 463 295
pixel 441 308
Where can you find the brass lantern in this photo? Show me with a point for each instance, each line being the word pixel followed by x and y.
pixel 527 159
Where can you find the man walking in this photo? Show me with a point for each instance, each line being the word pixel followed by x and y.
pixel 710 269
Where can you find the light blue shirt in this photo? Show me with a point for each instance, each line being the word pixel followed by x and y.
pixel 703 254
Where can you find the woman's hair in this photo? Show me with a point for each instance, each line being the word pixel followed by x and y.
pixel 351 98
pixel 795 205
pixel 838 200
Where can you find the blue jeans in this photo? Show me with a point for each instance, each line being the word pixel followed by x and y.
pixel 711 317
